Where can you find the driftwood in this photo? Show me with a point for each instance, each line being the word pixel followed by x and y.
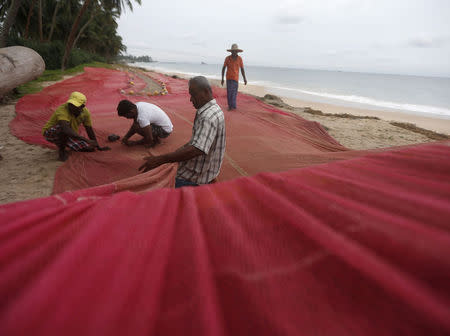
pixel 18 65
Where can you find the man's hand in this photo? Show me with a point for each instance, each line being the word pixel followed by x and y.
pixel 92 143
pixel 130 143
pixel 151 162
pixel 150 145
pixel 222 82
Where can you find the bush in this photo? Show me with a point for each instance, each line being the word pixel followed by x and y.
pixel 52 53
pixel 79 56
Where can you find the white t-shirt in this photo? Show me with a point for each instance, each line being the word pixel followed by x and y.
pixel 151 114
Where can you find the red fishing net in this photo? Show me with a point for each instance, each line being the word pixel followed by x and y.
pixel 353 247
pixel 259 137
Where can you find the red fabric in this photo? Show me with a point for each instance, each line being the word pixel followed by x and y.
pixel 355 247
pixel 260 138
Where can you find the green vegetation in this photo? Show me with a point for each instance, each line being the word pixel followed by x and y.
pixel 54 75
pixel 52 53
pixel 132 59
pixel 64 32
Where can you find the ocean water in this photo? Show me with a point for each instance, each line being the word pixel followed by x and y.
pixel 427 96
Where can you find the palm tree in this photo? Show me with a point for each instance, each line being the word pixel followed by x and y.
pixel 41 32
pixel 91 18
pixel 9 21
pixel 118 4
pixel 30 12
pixel 52 27
pixel 73 31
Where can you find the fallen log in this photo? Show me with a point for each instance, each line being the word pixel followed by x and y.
pixel 18 65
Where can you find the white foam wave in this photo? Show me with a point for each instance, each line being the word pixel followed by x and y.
pixel 347 98
pixel 183 73
pixel 373 102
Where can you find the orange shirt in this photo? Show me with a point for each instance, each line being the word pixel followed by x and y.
pixel 233 66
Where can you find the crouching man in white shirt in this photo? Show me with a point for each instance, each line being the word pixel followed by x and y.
pixel 150 122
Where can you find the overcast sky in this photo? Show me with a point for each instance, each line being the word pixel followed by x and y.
pixel 383 36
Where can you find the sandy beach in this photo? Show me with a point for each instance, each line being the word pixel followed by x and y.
pixel 373 130
pixel 27 171
pixel 361 133
pixel 434 124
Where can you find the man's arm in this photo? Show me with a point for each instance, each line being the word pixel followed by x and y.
pixel 223 72
pixel 183 153
pixel 68 131
pixel 91 135
pixel 130 133
pixel 243 75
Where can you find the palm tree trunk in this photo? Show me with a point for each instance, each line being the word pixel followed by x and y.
pixel 73 31
pixel 52 28
pixel 84 27
pixel 30 13
pixel 9 21
pixel 41 33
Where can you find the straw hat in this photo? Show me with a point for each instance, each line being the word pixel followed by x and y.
pixel 234 47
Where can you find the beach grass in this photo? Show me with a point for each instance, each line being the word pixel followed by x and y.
pixel 54 75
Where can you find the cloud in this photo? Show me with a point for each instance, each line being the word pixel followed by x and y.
pixel 423 41
pixel 331 52
pixel 200 43
pixel 287 19
pixel 290 12
pixel 137 44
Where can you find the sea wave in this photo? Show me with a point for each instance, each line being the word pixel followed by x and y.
pixel 374 102
pixel 353 99
pixel 182 73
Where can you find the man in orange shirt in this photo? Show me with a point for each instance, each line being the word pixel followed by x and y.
pixel 233 63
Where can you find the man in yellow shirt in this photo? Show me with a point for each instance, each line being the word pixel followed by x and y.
pixel 233 63
pixel 62 128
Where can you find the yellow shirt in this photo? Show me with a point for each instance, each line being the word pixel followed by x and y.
pixel 62 113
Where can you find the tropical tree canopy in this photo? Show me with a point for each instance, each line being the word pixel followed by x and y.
pixel 88 25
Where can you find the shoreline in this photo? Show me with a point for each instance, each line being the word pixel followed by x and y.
pixel 440 125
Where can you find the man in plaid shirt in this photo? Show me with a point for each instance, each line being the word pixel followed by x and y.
pixel 201 158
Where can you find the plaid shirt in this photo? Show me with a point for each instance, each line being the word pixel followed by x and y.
pixel 208 135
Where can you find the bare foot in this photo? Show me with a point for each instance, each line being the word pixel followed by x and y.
pixel 88 149
pixel 63 155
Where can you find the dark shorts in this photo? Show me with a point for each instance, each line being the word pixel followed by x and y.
pixel 54 135
pixel 184 183
pixel 159 131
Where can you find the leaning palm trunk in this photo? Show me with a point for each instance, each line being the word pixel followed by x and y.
pixel 84 27
pixel 72 34
pixel 52 28
pixel 30 13
pixel 9 21
pixel 41 33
